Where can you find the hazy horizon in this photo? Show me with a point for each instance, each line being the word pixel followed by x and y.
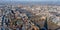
pixel 50 2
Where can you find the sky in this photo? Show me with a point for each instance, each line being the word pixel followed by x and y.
pixel 29 0
pixel 35 1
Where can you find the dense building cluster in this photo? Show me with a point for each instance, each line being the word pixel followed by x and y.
pixel 20 17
